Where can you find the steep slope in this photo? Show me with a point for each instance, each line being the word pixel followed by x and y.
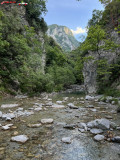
pixel 63 36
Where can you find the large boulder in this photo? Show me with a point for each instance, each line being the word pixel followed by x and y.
pixel 99 123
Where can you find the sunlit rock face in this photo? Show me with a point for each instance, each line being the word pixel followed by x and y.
pixel 63 36
pixel 90 67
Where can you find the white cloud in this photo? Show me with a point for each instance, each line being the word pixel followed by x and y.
pixel 79 30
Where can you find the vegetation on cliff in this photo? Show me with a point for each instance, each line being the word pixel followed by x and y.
pixel 31 62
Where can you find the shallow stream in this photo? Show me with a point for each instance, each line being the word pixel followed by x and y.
pixel 45 142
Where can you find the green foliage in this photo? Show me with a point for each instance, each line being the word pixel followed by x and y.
pixel 96 17
pixel 34 10
pixel 111 15
pixel 63 76
pixel 95 35
pixel 109 91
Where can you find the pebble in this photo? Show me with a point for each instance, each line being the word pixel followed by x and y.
pixel 15 133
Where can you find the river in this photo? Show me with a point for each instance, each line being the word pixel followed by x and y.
pixel 45 141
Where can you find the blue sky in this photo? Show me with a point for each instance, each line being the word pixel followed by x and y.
pixel 71 13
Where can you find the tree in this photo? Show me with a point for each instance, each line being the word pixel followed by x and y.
pixel 96 17
pixel 95 35
pixel 34 10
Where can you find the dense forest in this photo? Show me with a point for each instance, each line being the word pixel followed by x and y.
pixel 22 46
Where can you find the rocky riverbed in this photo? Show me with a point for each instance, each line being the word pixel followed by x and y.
pixel 59 127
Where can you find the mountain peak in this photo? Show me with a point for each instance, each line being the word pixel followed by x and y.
pixel 63 36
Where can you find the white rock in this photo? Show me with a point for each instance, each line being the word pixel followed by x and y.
pixel 6 127
pixel 58 106
pixel 81 130
pixel 47 121
pixel 99 137
pixel 21 96
pixel 66 140
pixel 94 110
pixel 9 105
pixel 19 109
pixel 82 126
pixel 90 106
pixel 91 124
pixel 103 123
pixel 49 104
pixel 65 98
pixel 38 104
pixel 82 102
pixel 99 123
pixel 20 138
pixel 89 97
pixel 59 102
pixel 49 99
pixel 8 116
pixel 72 106
pixel 38 109
pixel 96 131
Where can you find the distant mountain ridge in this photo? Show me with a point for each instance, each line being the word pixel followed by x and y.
pixel 63 36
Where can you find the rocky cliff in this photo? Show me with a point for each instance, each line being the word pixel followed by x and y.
pixel 17 15
pixel 90 67
pixel 63 36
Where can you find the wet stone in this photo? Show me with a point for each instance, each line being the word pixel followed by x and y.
pixel 57 106
pixel 6 127
pixel 96 131
pixel 47 121
pixel 99 137
pixel 82 126
pixel 94 110
pixel 108 117
pixel 81 130
pixel 71 106
pixel 59 102
pixel 118 128
pixel 116 139
pixel 20 138
pixel 9 105
pixel 38 109
pixel 66 140
pixel 70 126
pixel 90 106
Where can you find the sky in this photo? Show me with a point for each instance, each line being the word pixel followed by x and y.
pixel 72 14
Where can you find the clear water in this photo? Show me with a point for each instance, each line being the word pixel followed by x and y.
pixel 45 142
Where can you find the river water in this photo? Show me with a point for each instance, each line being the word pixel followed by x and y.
pixel 45 142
